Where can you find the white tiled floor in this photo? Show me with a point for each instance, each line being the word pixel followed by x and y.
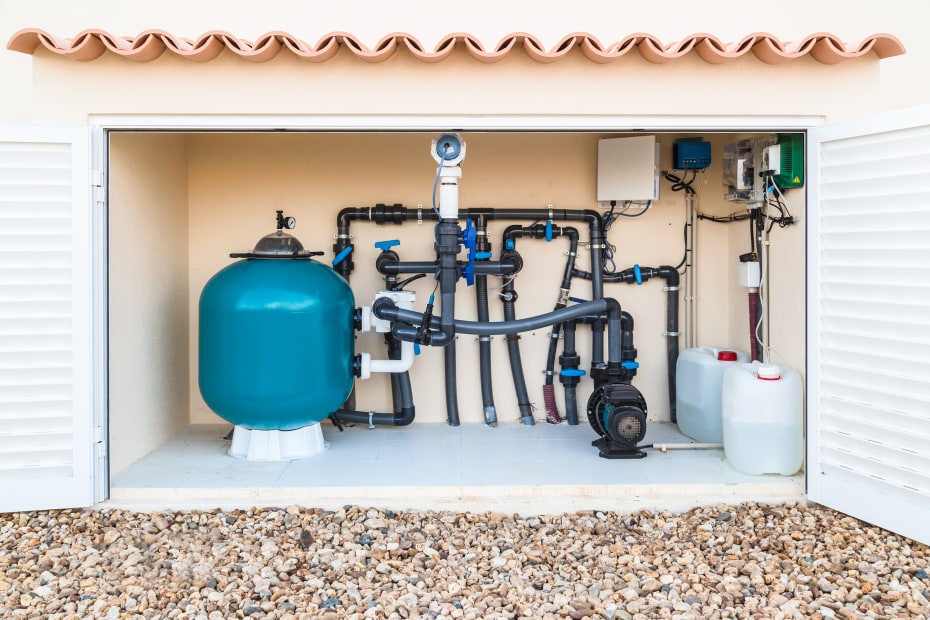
pixel 540 468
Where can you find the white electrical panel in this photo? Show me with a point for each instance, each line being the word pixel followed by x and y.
pixel 627 169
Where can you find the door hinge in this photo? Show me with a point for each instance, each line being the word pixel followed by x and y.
pixel 100 441
pixel 99 191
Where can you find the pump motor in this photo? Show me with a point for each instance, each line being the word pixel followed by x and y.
pixel 617 412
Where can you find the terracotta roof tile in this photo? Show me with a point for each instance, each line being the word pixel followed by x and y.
pixel 150 44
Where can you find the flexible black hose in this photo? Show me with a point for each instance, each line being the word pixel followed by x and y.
pixel 406 320
pixel 484 353
pixel 516 362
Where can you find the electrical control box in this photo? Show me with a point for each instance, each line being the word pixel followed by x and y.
pixel 788 158
pixel 691 154
pixel 627 169
pixel 742 165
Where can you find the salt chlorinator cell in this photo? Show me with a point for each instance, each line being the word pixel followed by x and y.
pixel 276 342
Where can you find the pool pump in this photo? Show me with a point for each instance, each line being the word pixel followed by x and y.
pixel 617 412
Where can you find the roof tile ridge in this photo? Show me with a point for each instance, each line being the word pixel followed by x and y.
pixel 90 44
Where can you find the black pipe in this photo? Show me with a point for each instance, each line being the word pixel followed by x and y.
pixel 397 214
pixel 390 265
pixel 570 361
pixel 509 296
pixel 549 232
pixel 484 342
pixel 672 282
pixel 451 383
pixel 406 320
pixel 448 266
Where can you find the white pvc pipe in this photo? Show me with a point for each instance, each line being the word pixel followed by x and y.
pixel 449 192
pixel 402 365
pixel 665 447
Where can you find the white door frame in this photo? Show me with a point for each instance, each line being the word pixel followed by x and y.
pixel 104 123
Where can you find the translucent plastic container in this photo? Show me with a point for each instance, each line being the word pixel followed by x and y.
pixel 699 391
pixel 763 420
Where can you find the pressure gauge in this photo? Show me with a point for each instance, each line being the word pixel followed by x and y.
pixel 290 222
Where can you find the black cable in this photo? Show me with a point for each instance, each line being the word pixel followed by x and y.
pixel 726 219
pixel 681 184
pixel 641 213
pixel 684 256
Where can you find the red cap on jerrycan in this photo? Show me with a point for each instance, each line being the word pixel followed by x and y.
pixel 726 356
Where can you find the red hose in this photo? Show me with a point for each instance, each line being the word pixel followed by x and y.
pixel 552 410
pixel 753 320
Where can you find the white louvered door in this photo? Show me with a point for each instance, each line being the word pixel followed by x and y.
pixel 46 358
pixel 868 340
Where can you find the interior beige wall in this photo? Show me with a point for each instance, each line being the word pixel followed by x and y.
pixel 237 181
pixel 148 302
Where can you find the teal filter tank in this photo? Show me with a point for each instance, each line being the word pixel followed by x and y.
pixel 276 337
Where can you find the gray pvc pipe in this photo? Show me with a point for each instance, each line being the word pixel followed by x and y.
pixel 386 309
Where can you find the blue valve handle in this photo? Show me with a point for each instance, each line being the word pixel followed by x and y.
pixel 342 255
pixel 470 241
pixel 638 274
pixel 549 231
pixel 630 365
pixel 387 244
pixel 572 372
pixel 482 255
pixel 577 300
pixel 416 348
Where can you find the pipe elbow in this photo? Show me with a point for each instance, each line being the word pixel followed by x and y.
pixel 670 274
pixel 612 306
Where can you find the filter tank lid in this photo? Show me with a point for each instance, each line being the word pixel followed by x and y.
pixel 278 243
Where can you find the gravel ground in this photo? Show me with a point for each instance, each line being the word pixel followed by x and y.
pixel 747 561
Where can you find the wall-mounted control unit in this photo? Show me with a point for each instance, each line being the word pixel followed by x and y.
pixel 742 163
pixel 691 154
pixel 627 169
pixel 784 160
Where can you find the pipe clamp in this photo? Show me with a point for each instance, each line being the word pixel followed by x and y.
pixel 371 419
pixel 419 214
pixel 669 289
pixel 343 236
pixel 595 246
pixel 670 333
